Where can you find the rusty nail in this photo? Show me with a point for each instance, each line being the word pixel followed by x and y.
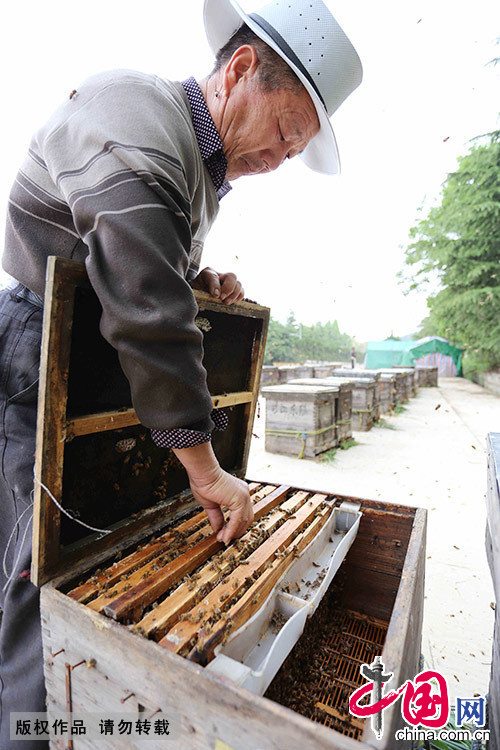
pixel 158 711
pixel 57 652
pixel 122 700
pixel 74 666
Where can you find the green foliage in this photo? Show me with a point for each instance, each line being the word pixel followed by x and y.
pixel 294 342
pixel 346 444
pixel 458 244
pixel 328 456
pixel 428 327
pixel 383 423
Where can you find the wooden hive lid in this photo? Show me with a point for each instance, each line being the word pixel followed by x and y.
pixel 93 456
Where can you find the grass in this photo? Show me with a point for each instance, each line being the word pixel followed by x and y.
pixel 328 456
pixel 346 444
pixel 383 423
pixel 398 409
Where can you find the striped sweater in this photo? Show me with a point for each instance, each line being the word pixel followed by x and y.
pixel 116 178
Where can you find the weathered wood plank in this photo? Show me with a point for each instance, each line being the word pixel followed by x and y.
pixel 137 582
pixel 114 420
pixel 140 578
pixel 113 573
pixel 156 623
pixel 180 687
pixel 401 653
pixel 210 636
pixel 54 368
pixel 179 638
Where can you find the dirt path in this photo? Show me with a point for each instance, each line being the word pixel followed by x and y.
pixel 433 458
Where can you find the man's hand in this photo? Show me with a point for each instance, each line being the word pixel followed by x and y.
pixel 222 285
pixel 215 489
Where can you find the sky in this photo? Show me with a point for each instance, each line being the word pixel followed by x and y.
pixel 328 248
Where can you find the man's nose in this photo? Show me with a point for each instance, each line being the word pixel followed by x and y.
pixel 275 157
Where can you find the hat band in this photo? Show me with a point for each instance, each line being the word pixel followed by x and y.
pixel 278 39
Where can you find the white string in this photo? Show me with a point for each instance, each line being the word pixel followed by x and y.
pixel 9 576
pixel 76 520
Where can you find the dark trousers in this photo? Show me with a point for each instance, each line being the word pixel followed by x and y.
pixel 21 671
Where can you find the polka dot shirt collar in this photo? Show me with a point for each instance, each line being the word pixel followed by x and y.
pixel 209 141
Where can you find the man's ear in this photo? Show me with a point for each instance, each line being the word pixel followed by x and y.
pixel 242 65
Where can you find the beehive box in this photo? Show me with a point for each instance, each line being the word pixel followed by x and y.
pixel 364 408
pixel 270 375
pixel 304 371
pixel 427 376
pixel 300 420
pixel 94 664
pixel 372 375
pixel 401 384
pixel 323 369
pixel 387 392
pixel 287 372
pixel 412 380
pixel 343 415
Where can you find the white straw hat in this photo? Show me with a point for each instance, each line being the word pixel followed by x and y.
pixel 306 35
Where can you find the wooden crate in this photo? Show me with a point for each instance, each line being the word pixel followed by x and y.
pixel 300 420
pixel 287 372
pixel 400 384
pixel 93 663
pixel 387 392
pixel 427 376
pixel 343 415
pixel 412 380
pixel 385 574
pixel 270 375
pixel 371 375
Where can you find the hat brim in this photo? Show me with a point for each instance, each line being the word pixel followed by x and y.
pixel 222 18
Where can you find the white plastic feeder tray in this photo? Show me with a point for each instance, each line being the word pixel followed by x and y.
pixel 253 654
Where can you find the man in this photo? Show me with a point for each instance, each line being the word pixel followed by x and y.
pixel 127 175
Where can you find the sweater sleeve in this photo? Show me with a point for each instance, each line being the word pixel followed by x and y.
pixel 120 159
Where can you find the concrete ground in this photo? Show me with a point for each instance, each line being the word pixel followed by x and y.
pixel 433 455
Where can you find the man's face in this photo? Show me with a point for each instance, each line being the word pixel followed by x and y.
pixel 261 128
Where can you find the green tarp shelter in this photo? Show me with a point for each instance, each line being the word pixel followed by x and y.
pixel 390 352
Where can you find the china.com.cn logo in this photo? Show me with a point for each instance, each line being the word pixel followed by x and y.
pixel 425 701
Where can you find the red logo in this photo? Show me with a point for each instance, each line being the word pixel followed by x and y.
pixel 425 699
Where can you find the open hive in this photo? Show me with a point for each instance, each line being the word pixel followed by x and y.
pixel 186 591
pixel 101 594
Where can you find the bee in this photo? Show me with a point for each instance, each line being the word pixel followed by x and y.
pixel 73 94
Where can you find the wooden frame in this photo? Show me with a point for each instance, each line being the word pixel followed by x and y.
pixel 388 555
pixel 56 428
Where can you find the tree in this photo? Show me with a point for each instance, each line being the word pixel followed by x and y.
pixel 459 245
pixel 296 342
